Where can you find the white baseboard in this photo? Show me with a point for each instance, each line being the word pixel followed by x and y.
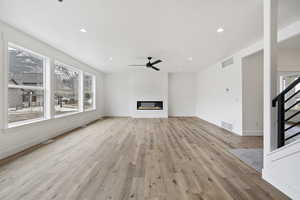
pixel 219 126
pixel 253 133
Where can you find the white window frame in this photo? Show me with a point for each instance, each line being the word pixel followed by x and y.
pixel 93 90
pixel 47 87
pixel 80 89
pixel 46 65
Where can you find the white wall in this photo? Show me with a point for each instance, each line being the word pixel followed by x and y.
pixel 16 139
pixel 117 94
pixel 289 60
pixel 123 89
pixel 282 169
pixel 252 75
pixel 289 63
pixel 280 166
pixel 182 94
pixel 177 90
pixel 219 95
pixel 213 80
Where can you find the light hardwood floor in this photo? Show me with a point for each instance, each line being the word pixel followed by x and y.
pixel 137 159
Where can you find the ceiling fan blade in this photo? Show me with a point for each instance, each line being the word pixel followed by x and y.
pixel 155 68
pixel 156 62
pixel 136 65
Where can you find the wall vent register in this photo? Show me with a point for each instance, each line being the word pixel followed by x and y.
pixel 149 105
pixel 227 126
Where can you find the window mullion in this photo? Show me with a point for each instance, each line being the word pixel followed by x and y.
pixel 49 82
pixel 94 91
pixel 81 92
pixel 3 84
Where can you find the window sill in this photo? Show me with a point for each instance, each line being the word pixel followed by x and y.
pixel 22 123
pixel 28 122
pixel 67 114
pixel 90 110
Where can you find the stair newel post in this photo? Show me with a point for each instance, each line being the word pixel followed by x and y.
pixel 281 121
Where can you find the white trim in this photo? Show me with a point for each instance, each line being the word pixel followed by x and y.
pixel 270 73
pixel 81 92
pixel 74 69
pixel 289 190
pixel 285 147
pixel 284 34
pixel 43 88
pixel 48 89
pixel 21 47
pixel 49 61
pixel 253 132
pixel 2 84
pixel 93 91
pixel 5 84
pixel 25 122
pixel 90 109
pixel 67 114
pixel 31 121
pixel 25 87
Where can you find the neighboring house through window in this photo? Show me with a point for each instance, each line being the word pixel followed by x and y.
pixel 27 97
pixel 25 85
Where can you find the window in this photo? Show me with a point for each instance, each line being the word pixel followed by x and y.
pixel 66 92
pixel 29 76
pixel 286 80
pixel 89 92
pixel 25 85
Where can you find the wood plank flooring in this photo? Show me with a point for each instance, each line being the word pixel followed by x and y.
pixel 137 159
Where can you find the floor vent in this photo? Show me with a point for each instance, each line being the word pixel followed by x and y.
pixel 227 126
pixel 227 62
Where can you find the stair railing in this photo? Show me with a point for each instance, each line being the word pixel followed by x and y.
pixel 281 100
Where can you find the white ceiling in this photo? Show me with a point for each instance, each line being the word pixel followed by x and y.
pixel 127 31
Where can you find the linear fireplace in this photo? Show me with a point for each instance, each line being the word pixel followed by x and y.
pixel 149 105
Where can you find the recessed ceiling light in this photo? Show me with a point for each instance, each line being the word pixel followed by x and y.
pixel 220 30
pixel 83 30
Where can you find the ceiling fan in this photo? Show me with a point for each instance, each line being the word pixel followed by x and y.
pixel 149 64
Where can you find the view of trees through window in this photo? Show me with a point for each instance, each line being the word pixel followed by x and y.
pixel 25 85
pixel 88 90
pixel 66 89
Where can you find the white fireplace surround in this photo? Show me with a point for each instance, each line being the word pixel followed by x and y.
pixel 149 86
pixel 122 90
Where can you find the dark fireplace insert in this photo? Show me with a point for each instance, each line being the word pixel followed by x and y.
pixel 149 105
